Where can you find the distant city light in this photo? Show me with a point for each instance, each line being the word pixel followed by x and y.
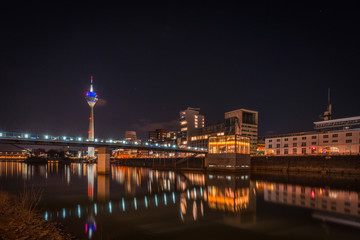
pixel 46 137
pixel 64 138
pixel 79 139
pixel 26 135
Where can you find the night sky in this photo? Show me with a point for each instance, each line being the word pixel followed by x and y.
pixel 150 61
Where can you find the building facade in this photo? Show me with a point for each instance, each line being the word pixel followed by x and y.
pixel 338 136
pixel 241 122
pixel 130 136
pixel 159 135
pixel 190 121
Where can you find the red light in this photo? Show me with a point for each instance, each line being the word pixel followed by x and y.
pixel 95 226
pixel 86 228
pixel 312 194
pixel 90 118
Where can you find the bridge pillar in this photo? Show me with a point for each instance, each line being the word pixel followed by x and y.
pixel 103 162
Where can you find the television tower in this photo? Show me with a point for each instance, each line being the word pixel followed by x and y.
pixel 91 98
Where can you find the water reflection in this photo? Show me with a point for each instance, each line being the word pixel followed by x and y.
pixel 157 201
pixel 332 205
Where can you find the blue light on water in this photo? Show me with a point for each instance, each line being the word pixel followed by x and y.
pixel 79 211
pixel 195 193
pixel 46 217
pixel 64 213
pixel 188 194
pixel 173 197
pixel 165 199
pixel 110 207
pixel 95 209
pixel 123 204
pixel 201 191
pixel 135 203
pixel 156 200
pixel 146 202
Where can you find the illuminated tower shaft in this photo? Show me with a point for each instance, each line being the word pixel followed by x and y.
pixel 91 98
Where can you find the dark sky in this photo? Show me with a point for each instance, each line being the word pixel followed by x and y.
pixel 152 60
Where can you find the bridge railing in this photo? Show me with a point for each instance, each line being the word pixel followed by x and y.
pixel 47 137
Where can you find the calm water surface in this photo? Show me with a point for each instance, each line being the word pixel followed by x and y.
pixel 140 203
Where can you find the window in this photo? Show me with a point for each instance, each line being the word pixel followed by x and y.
pixel 303 150
pixel 270 140
pixel 277 145
pixel 326 136
pixel 286 139
pixel 303 144
pixel 294 151
pixel 326 141
pixel 334 140
pixel 303 138
pixel 278 140
pixel 313 143
pixel 286 151
pixel 286 145
pixel 294 139
pixel 348 134
pixel 348 141
pixel 335 135
pixel 294 144
pixel 278 151
pixel 270 145
pixel 313 137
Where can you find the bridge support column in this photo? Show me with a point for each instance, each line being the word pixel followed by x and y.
pixel 103 162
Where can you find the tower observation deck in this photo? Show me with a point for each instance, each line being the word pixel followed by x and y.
pixel 91 98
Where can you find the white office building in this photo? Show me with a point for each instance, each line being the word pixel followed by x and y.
pixel 338 136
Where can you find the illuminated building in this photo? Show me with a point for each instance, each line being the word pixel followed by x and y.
pixel 337 136
pixel 190 121
pixel 91 98
pixel 159 135
pixel 228 152
pixel 130 136
pixel 241 122
pixel 229 144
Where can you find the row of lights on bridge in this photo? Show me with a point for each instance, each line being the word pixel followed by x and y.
pixel 80 139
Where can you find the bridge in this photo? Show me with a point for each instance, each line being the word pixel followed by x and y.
pixel 103 146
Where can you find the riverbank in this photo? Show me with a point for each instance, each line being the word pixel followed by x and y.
pixel 337 164
pixel 20 220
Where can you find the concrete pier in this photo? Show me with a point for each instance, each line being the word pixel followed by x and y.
pixel 103 162
pixel 227 161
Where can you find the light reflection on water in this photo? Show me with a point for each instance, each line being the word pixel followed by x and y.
pixel 165 201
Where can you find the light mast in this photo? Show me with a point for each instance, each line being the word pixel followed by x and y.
pixel 91 98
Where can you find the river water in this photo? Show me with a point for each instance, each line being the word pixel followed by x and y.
pixel 141 203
